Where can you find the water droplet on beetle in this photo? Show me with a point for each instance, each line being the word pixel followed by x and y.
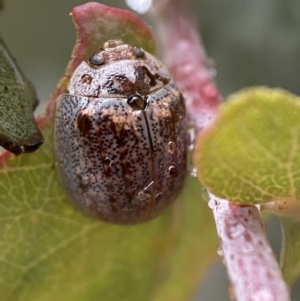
pixel 172 171
pixel 107 164
pixel 96 60
pixel 137 102
pixel 108 161
pixel 158 197
pixel 171 147
pixel 139 52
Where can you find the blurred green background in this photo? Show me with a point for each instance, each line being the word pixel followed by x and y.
pixel 249 42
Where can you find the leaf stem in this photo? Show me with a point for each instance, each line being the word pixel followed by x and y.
pixel 251 265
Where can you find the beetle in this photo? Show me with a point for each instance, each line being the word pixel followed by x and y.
pixel 120 136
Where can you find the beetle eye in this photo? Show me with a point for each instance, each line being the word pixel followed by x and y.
pixel 137 102
pixel 96 59
pixel 139 52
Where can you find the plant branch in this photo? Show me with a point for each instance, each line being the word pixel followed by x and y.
pixel 250 262
pixel 251 265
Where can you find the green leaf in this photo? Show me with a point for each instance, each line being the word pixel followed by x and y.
pixel 251 154
pixel 290 255
pixel 18 130
pixel 49 250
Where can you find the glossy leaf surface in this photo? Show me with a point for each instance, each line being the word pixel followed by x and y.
pixel 251 152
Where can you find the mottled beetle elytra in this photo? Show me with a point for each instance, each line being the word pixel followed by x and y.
pixel 120 136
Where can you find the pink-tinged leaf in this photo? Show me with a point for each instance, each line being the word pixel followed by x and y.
pixel 95 24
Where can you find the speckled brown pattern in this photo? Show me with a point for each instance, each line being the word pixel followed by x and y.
pixel 120 136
